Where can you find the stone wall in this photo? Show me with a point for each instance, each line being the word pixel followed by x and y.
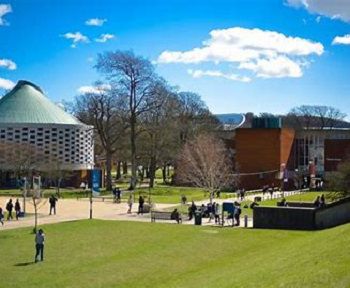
pixel 302 218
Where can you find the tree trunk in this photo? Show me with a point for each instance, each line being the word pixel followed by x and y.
pixel 164 174
pixel 108 171
pixel 119 174
pixel 35 216
pixel 133 179
pixel 58 187
pixel 125 167
pixel 152 172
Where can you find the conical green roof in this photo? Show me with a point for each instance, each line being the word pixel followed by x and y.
pixel 27 104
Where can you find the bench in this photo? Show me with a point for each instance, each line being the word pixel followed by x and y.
pixel 161 215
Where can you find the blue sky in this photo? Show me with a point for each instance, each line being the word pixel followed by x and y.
pixel 240 56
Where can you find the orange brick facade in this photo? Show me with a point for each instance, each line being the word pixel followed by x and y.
pixel 260 151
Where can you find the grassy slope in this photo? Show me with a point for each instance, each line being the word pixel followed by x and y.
pixel 126 254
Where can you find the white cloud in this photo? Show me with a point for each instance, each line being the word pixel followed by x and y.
pixel 253 49
pixel 278 67
pixel 94 89
pixel 104 38
pixel 76 37
pixel 345 40
pixel 90 59
pixel 334 9
pixel 6 84
pixel 95 22
pixel 318 19
pixel 215 73
pixel 4 9
pixel 7 63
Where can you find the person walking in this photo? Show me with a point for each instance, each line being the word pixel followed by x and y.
pixel 1 217
pixel 39 245
pixel 119 193
pixel 9 207
pixel 130 202
pixel 17 209
pixel 53 201
pixel 191 210
pixel 114 191
pixel 217 213
pixel 141 202
pixel 237 213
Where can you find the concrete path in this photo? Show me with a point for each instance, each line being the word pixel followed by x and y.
pixel 73 209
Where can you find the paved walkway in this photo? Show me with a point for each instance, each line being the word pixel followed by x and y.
pixel 73 209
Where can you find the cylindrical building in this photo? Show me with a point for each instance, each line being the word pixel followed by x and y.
pixel 30 124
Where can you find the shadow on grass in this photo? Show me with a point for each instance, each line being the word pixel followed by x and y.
pixel 24 264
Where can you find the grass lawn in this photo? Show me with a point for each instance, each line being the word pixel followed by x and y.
pixel 172 194
pixel 303 197
pixel 129 254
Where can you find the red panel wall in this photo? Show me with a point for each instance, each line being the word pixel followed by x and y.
pixel 259 150
pixel 335 150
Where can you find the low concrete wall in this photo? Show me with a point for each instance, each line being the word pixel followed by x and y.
pixel 333 214
pixel 302 218
pixel 283 218
pixel 301 204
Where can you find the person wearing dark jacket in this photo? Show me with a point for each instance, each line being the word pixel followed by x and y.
pixel 9 207
pixel 141 202
pixel 17 209
pixel 53 201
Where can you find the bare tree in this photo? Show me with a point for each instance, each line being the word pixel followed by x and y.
pixel 37 199
pixel 205 162
pixel 194 116
pixel 314 116
pixel 101 109
pixel 26 160
pixel 134 78
pixel 339 181
pixel 159 139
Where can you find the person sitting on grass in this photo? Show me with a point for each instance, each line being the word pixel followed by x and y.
pixel 253 204
pixel 283 202
pixel 317 202
pixel 322 201
pixel 175 216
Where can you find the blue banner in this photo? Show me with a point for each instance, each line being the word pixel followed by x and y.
pixel 96 176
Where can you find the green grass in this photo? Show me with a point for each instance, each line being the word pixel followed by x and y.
pixel 129 254
pixel 64 192
pixel 303 197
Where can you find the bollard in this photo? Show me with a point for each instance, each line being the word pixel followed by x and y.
pixel 245 221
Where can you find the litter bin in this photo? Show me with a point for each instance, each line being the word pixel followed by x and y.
pixel 198 218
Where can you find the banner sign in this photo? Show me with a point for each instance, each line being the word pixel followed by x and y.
pixel 228 207
pixel 96 176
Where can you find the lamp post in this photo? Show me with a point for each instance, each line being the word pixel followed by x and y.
pixel 282 171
